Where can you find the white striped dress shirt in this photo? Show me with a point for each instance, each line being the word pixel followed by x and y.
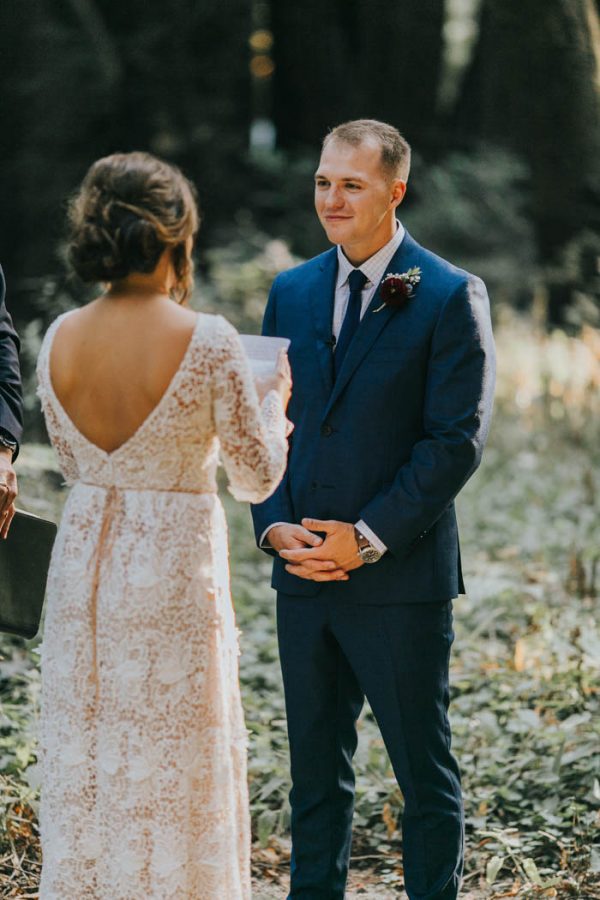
pixel 374 268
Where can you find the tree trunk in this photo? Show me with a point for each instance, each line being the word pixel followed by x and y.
pixel 314 82
pixel 400 56
pixel 61 123
pixel 533 87
pixel 348 59
pixel 15 79
pixel 85 78
pixel 188 95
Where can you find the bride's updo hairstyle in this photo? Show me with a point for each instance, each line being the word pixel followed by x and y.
pixel 129 209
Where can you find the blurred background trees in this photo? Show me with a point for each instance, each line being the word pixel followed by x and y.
pixel 500 102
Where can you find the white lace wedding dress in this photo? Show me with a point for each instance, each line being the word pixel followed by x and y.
pixel 142 736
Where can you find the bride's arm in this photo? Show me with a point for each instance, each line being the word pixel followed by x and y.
pixel 252 434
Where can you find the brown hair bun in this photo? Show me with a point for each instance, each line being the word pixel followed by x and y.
pixel 129 209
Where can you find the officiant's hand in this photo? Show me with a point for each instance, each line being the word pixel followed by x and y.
pixel 339 548
pixel 280 381
pixel 289 538
pixel 8 491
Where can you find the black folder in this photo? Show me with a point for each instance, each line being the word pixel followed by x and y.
pixel 24 563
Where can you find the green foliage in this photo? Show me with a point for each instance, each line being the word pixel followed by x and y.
pixel 241 274
pixel 472 209
pixel 573 283
pixel 278 197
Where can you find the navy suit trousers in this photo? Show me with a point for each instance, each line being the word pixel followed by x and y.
pixel 333 654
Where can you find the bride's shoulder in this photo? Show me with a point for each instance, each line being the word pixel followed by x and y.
pixel 216 327
pixel 221 342
pixel 48 340
pixel 70 315
pixel 66 317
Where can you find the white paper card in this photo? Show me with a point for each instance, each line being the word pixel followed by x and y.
pixel 263 352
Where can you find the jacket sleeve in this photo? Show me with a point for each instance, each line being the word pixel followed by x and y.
pixel 11 396
pixel 456 419
pixel 278 507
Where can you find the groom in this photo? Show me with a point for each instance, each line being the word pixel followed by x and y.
pixel 393 382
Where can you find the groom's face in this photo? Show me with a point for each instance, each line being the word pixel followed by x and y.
pixel 355 197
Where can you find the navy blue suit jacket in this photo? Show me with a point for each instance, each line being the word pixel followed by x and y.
pixel 11 399
pixel 397 435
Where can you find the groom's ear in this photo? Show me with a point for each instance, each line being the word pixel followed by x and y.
pixel 398 192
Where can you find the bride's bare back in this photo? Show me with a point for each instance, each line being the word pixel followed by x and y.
pixel 113 360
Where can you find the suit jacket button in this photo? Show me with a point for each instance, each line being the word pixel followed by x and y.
pixel 326 430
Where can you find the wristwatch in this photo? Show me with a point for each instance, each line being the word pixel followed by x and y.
pixel 7 443
pixel 367 552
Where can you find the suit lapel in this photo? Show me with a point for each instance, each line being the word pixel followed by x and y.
pixel 373 323
pixel 322 295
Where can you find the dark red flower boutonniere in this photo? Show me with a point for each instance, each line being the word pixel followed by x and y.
pixel 397 289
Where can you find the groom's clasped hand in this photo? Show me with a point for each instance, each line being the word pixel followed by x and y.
pixel 312 557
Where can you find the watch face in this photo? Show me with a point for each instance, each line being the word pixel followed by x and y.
pixel 370 555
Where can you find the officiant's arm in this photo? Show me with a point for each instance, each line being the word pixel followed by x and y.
pixel 11 413
pixel 456 417
pixel 11 397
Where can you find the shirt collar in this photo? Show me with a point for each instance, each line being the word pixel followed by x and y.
pixel 374 267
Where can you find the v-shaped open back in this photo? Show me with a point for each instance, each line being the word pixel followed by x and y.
pixel 209 403
pixel 145 422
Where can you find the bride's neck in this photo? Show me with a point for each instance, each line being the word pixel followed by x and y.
pixel 145 284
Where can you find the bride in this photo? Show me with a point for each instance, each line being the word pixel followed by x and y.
pixel 143 744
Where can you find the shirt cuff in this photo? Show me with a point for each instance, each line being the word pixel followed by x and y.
pixel 264 544
pixel 370 536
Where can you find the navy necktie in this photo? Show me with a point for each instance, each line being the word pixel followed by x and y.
pixel 356 281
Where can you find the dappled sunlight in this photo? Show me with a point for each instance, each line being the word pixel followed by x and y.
pixel 547 377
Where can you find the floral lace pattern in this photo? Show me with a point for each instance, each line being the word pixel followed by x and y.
pixel 142 736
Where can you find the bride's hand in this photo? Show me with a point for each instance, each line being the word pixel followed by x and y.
pixel 280 380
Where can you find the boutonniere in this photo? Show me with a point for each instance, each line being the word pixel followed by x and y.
pixel 397 289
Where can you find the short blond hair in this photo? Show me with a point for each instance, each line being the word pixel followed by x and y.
pixel 395 150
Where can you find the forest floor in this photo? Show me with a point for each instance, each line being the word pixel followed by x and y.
pixel 525 706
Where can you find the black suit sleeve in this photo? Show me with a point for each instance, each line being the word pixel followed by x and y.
pixel 11 395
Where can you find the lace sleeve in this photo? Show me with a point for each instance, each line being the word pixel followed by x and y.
pixel 66 460
pixel 252 436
